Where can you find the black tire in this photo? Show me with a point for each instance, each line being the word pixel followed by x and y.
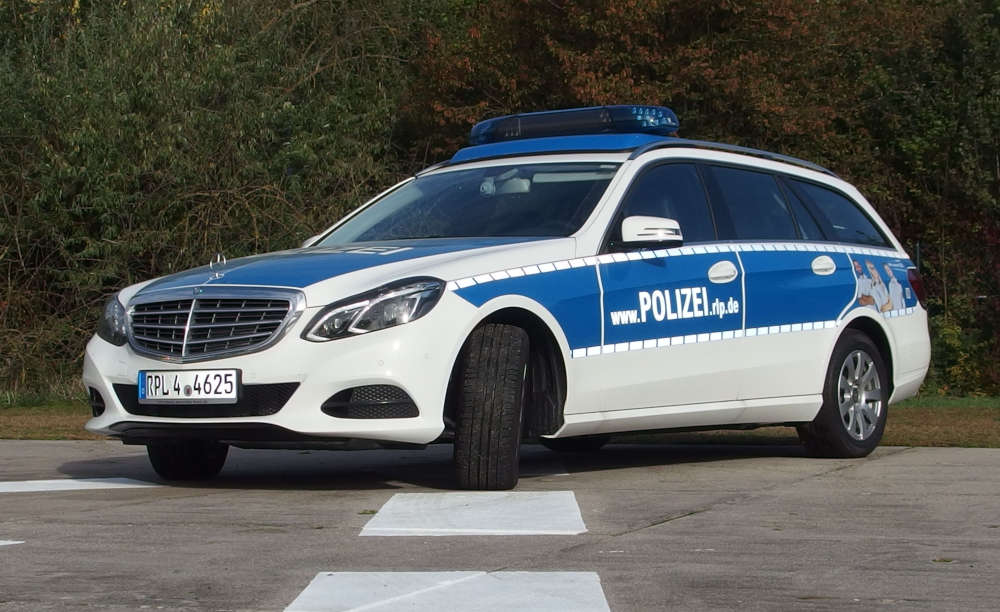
pixel 856 433
pixel 577 444
pixel 187 459
pixel 493 369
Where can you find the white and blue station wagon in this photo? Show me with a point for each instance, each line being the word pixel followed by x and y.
pixel 570 275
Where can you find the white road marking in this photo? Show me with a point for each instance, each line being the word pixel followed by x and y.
pixel 467 591
pixel 10 542
pixel 478 513
pixel 71 484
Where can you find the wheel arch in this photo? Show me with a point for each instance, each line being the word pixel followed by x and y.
pixel 877 333
pixel 549 351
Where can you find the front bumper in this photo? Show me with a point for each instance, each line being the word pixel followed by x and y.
pixel 416 357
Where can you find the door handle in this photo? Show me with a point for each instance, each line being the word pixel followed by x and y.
pixel 824 265
pixel 722 272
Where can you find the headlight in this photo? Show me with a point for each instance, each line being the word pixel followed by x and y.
pixel 113 324
pixel 387 306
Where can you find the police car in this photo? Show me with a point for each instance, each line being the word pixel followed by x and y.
pixel 570 275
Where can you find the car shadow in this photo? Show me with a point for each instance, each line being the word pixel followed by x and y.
pixel 430 468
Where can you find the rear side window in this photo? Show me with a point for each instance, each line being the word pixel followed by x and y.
pixel 754 204
pixel 843 221
pixel 673 191
pixel 808 224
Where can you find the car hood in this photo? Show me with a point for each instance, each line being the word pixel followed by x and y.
pixel 361 266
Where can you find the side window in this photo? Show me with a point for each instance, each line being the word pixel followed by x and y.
pixel 844 221
pixel 673 191
pixel 808 224
pixel 754 203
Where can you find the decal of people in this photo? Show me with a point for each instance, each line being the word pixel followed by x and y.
pixel 871 290
pixel 895 289
pixel 880 293
pixel 864 286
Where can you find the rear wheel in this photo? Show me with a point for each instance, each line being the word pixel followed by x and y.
pixel 855 400
pixel 187 459
pixel 578 444
pixel 489 411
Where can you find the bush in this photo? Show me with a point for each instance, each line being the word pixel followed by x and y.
pixel 140 138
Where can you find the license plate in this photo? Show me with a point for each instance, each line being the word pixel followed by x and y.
pixel 189 387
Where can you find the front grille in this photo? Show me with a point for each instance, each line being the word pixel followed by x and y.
pixel 255 400
pixel 203 327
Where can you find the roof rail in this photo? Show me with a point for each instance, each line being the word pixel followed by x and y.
pixel 433 167
pixel 728 148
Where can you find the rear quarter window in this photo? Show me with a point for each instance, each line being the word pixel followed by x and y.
pixel 841 218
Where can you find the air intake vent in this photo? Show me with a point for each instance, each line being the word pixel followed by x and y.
pixel 371 402
pixel 96 402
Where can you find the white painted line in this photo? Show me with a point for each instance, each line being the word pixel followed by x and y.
pixel 478 513
pixel 71 484
pixel 432 591
pixel 10 542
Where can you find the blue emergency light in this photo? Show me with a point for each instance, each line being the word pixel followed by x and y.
pixel 620 119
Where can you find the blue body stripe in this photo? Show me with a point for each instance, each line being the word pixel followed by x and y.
pixel 303 267
pixel 572 296
pixel 670 296
pixel 782 288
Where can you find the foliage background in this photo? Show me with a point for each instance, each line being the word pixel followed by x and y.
pixel 140 137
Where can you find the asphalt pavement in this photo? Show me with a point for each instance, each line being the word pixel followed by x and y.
pixel 87 525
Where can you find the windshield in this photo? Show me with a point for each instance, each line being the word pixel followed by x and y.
pixel 545 200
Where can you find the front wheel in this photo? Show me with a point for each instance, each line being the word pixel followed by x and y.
pixel 187 459
pixel 494 365
pixel 855 401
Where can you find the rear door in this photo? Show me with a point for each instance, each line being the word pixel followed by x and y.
pixel 797 286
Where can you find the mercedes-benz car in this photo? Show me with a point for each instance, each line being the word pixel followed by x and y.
pixel 569 275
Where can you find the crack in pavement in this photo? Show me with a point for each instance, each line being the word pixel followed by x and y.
pixel 599 539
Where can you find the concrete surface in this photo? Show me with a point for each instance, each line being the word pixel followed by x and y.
pixel 667 527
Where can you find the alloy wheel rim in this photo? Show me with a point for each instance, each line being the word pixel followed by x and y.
pixel 859 395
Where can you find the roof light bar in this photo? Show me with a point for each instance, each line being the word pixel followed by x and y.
pixel 622 119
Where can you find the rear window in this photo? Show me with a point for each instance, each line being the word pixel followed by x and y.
pixel 843 221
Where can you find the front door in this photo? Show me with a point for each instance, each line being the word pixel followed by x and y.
pixel 666 312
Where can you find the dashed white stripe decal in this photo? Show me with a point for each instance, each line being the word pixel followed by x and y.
pixel 640 345
pixel 611 258
pixel 10 542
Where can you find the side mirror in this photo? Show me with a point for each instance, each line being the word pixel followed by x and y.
pixel 310 241
pixel 659 231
